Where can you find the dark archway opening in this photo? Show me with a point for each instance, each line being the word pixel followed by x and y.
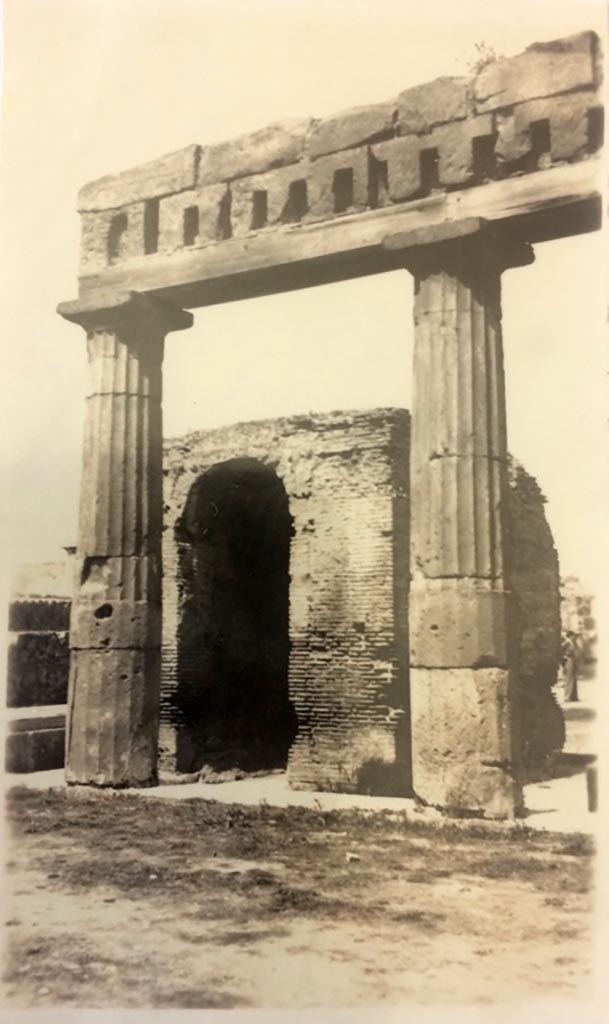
pixel 233 642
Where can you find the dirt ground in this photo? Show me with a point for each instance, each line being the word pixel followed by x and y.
pixel 120 901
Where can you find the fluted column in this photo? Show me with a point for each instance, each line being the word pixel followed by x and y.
pixel 462 654
pixel 115 629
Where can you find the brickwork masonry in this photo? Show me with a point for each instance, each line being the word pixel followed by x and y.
pixel 346 479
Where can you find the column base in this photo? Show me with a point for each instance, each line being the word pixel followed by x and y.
pixel 461 741
pixel 113 731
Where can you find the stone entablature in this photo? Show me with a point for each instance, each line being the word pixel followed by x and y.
pixel 515 116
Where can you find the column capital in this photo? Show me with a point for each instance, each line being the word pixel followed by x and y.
pixel 114 310
pixel 456 245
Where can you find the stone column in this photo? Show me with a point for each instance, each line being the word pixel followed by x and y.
pixel 115 630
pixel 463 673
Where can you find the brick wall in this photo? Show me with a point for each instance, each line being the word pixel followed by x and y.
pixel 346 479
pixel 345 476
pixel 515 116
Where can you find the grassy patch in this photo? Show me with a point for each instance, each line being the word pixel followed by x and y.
pixel 168 887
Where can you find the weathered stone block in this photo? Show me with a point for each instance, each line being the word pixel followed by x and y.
pixel 339 183
pixel 544 69
pixel 458 623
pixel 132 240
pixel 402 157
pixel 569 134
pixel 171 173
pixel 461 739
pixel 455 159
pixel 172 228
pixel 94 229
pixel 120 624
pixel 462 713
pixel 513 136
pixel 111 236
pixel 114 725
pixel 423 106
pixel 273 146
pixel 351 128
pixel 273 188
pixel 463 788
pixel 454 143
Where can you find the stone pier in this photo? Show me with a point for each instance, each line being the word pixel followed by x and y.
pixel 463 698
pixel 115 630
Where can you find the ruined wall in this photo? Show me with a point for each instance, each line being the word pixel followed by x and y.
pixel 514 116
pixel 535 581
pixel 345 475
pixel 39 621
pixel 38 665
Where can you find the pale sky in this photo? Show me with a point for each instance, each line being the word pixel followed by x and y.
pixel 95 86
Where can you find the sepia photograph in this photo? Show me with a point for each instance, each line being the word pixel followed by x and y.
pixel 305 523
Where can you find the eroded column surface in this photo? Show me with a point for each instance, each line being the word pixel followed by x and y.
pixel 115 629
pixel 461 632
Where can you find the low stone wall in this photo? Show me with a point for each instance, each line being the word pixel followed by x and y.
pixel 39 623
pixel 35 739
pixel 38 666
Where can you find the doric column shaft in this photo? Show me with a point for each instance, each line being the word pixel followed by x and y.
pixel 121 482
pixel 115 629
pixel 459 445
pixel 462 652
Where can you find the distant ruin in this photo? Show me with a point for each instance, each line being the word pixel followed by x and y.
pixel 578 616
pixel 453 181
